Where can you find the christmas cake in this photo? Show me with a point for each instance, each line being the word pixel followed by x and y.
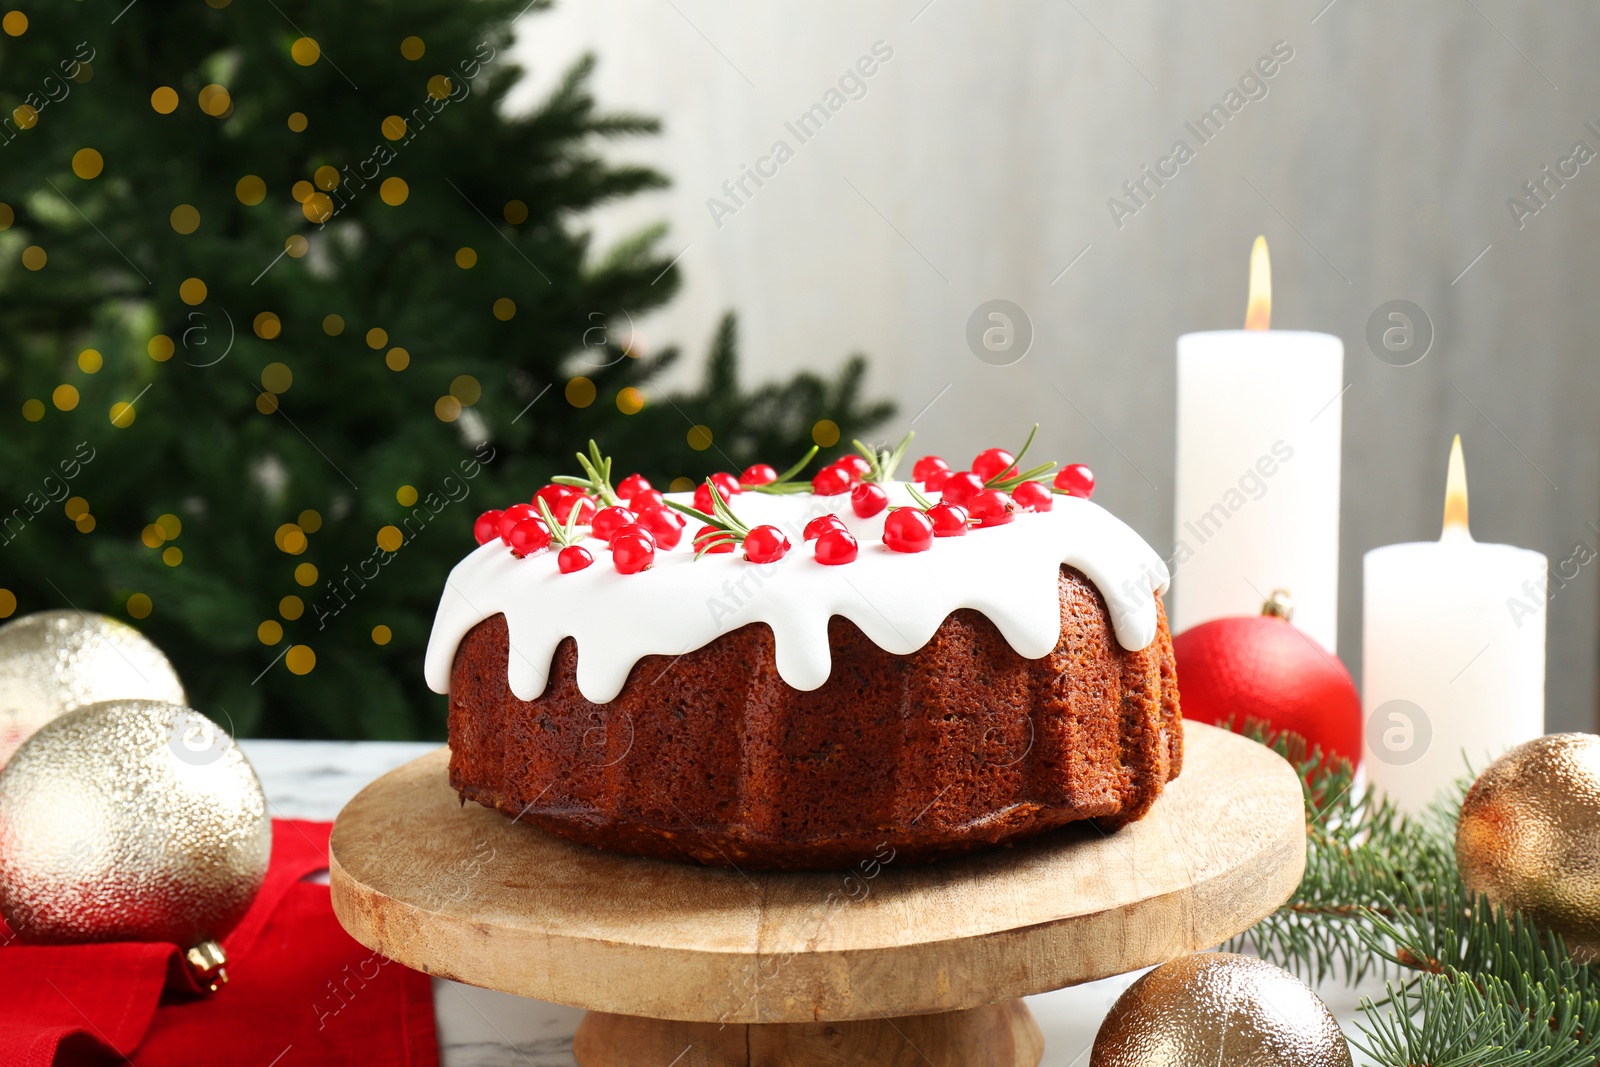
pixel 824 672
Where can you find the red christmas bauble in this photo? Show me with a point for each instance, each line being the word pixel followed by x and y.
pixel 1260 667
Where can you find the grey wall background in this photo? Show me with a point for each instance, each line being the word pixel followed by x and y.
pixel 978 165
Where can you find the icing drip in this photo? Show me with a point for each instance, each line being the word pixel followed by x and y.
pixel 898 600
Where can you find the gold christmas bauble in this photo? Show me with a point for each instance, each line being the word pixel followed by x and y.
pixel 1216 1007
pixel 54 661
pixel 130 821
pixel 1529 837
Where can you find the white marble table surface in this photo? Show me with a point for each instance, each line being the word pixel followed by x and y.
pixel 482 1028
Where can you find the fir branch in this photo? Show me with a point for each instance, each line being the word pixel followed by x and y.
pixel 1355 845
pixel 1461 1020
pixel 1477 987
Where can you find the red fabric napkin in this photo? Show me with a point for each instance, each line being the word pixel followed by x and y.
pixel 302 992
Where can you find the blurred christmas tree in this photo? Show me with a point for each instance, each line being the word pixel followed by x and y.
pixel 286 298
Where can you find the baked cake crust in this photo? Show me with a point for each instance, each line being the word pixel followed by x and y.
pixel 711 757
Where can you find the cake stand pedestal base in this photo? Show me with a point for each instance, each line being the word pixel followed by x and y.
pixel 885 964
pixel 995 1035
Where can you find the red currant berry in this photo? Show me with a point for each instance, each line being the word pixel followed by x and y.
pixel 830 481
pixel 836 546
pixel 632 549
pixel 925 467
pixel 714 541
pixel 644 500
pixel 1032 496
pixel 666 524
pixel 552 494
pixel 961 487
pixel 702 499
pixel 856 465
pixel 949 520
pixel 821 525
pixel 991 463
pixel 573 558
pixel 992 507
pixel 636 529
pixel 584 505
pixel 632 486
pixel 935 482
pixel 487 528
pixel 727 485
pixel 527 537
pixel 513 515
pixel 765 544
pixel 907 530
pixel 867 499
pixel 758 474
pixel 1076 479
pixel 608 521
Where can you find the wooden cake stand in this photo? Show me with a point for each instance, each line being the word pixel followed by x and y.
pixel 884 965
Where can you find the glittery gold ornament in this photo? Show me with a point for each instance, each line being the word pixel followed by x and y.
pixel 1529 837
pixel 132 821
pixel 54 661
pixel 1216 1007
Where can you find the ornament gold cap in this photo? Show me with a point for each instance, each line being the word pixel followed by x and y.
pixel 1279 605
pixel 207 964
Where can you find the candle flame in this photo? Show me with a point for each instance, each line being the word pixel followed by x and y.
pixel 1258 312
pixel 1455 494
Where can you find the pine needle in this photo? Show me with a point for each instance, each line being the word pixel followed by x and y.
pixel 1470 986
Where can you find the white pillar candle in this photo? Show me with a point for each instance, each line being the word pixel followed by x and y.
pixel 1452 654
pixel 1259 415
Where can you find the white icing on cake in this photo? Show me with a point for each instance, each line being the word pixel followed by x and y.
pixel 1009 573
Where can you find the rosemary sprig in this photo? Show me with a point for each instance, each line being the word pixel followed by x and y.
pixel 1001 481
pixel 597 476
pixel 728 526
pixel 883 462
pixel 923 502
pixel 561 533
pixel 785 482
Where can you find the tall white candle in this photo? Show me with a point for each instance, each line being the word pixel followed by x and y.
pixel 1259 415
pixel 1452 670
